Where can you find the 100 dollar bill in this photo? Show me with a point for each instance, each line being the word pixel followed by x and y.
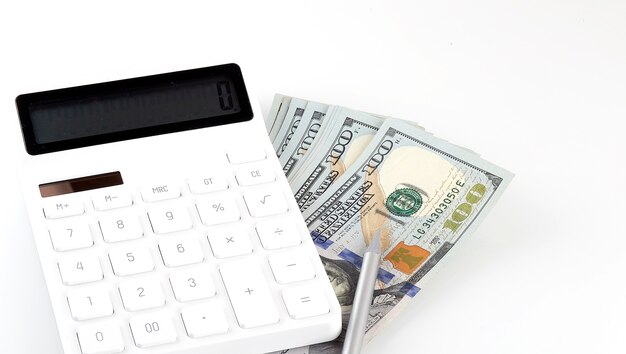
pixel 289 125
pixel 421 192
pixel 345 137
pixel 303 137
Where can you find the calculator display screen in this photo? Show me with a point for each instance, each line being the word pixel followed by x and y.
pixel 133 108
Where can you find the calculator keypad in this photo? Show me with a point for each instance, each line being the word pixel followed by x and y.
pixel 205 233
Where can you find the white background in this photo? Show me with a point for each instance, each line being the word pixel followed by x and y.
pixel 538 87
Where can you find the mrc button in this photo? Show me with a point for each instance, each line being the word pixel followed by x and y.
pixel 159 191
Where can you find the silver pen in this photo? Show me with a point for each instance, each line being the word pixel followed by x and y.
pixel 363 298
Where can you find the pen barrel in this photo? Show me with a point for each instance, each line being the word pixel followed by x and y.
pixel 361 304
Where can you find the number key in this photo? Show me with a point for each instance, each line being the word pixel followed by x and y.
pixel 87 303
pixel 119 227
pixel 142 293
pixel 80 268
pixel 192 284
pixel 180 251
pixel 100 338
pixel 70 236
pixel 152 329
pixel 133 259
pixel 169 218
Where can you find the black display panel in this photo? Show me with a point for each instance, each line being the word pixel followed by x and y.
pixel 81 184
pixel 133 108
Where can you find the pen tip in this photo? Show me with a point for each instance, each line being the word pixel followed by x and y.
pixel 375 243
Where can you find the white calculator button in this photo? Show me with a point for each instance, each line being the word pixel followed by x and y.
pixel 256 173
pixel 111 199
pixel 130 259
pixel 169 218
pixel 142 293
pixel 204 320
pixel 305 301
pixel 249 294
pixel 265 201
pixel 160 191
pixel 278 233
pixel 87 303
pixel 230 242
pixel 152 329
pixel 119 227
pixel 80 268
pixel 70 236
pixel 100 338
pixel 180 251
pixel 192 284
pixel 210 182
pixel 62 207
pixel 291 267
pixel 217 209
pixel 245 154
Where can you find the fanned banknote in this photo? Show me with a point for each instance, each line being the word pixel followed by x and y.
pixel 421 192
pixel 289 125
pixel 303 137
pixel 277 115
pixel 342 141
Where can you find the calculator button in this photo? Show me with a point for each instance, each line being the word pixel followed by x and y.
pixel 142 293
pixel 169 218
pixel 111 199
pixel 230 242
pixel 280 233
pixel 217 209
pixel 180 251
pixel 256 173
pixel 152 329
pixel 80 268
pixel 130 259
pixel 265 201
pixel 249 294
pixel 157 192
pixel 192 284
pixel 204 320
pixel 120 227
pixel 245 154
pixel 60 208
pixel 207 183
pixel 100 338
pixel 305 301
pixel 291 267
pixel 87 303
pixel 70 236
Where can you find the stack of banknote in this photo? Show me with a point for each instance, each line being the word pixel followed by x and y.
pixel 353 173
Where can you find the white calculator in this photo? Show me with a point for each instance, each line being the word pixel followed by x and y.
pixel 164 223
